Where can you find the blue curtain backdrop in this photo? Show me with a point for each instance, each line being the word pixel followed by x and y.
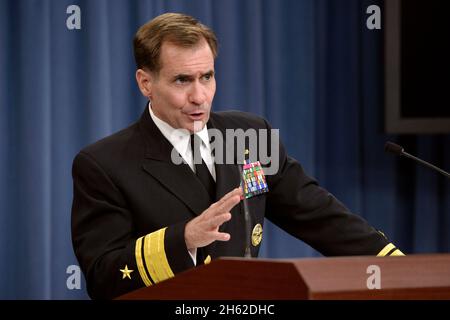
pixel 310 67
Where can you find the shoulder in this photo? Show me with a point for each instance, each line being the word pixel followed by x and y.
pixel 115 148
pixel 237 119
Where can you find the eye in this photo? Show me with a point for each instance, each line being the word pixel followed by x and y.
pixel 181 80
pixel 208 76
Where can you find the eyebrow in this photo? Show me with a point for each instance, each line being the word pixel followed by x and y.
pixel 189 76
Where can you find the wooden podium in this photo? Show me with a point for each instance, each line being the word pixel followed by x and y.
pixel 409 277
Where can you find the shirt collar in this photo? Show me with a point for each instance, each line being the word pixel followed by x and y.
pixel 179 138
pixel 203 134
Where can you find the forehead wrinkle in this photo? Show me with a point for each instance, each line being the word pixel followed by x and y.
pixel 178 60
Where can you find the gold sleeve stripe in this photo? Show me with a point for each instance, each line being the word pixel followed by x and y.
pixel 144 241
pixel 149 258
pixel 155 256
pixel 163 257
pixel 386 250
pixel 140 263
pixel 397 253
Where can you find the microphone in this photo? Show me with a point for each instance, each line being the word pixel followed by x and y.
pixel 399 151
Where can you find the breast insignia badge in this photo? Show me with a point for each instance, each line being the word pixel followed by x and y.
pixel 257 234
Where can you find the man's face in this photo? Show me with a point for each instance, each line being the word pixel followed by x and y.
pixel 183 91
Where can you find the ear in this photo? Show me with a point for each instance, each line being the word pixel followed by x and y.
pixel 144 80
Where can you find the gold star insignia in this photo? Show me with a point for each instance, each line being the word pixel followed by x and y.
pixel 126 273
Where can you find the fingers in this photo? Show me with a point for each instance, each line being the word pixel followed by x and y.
pixel 201 232
pixel 222 236
pixel 225 204
pixel 204 229
pixel 219 220
pixel 230 202
pixel 234 192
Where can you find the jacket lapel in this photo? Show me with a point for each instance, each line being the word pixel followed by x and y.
pixel 227 175
pixel 178 179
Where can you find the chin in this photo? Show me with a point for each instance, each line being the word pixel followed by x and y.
pixel 192 126
pixel 198 125
pixel 189 126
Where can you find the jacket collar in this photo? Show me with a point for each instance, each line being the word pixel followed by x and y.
pixel 157 147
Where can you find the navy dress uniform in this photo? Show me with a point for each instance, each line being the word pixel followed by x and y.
pixel 131 204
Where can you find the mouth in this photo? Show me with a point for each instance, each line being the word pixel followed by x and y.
pixel 197 115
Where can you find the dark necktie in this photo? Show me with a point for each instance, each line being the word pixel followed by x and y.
pixel 201 170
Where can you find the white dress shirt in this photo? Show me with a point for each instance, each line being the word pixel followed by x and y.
pixel 180 140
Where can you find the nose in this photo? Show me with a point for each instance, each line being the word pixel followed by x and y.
pixel 197 94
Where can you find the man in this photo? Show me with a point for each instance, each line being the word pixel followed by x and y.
pixel 139 218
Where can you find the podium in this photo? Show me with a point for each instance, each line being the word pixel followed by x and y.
pixel 408 277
